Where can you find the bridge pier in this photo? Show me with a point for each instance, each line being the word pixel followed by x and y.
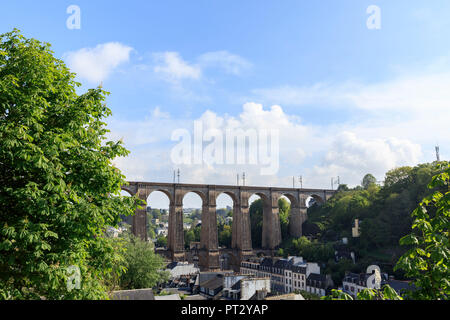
pixel 175 237
pixel 296 220
pixel 271 234
pixel 209 243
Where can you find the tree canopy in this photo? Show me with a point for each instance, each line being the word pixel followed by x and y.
pixel 58 188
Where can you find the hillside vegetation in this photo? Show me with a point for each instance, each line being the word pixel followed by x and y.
pixel 384 213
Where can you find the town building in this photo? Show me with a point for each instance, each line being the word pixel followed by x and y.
pixel 319 284
pixel 287 296
pixel 356 233
pixel 288 275
pixel 245 287
pixel 354 283
pixel 181 269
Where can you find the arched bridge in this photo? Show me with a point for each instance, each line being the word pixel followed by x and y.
pixel 241 234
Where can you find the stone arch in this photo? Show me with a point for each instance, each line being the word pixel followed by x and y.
pixel 129 190
pixel 164 191
pixel 317 198
pixel 292 198
pixel 232 195
pixel 264 197
pixel 201 194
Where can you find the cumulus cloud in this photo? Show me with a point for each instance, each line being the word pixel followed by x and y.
pixel 96 64
pixel 294 143
pixel 173 68
pixel 353 157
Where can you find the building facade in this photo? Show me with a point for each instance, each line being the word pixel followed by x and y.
pixel 288 275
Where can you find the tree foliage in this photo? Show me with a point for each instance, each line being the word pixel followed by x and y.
pixel 144 268
pixel 368 180
pixel 384 214
pixel 428 259
pixel 58 188
pixel 256 222
pixel 224 236
pixel 385 293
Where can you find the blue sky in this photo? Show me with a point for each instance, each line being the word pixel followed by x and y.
pixel 350 100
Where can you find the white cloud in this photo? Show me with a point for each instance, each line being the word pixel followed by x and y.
pixel 417 93
pixel 352 157
pixel 230 63
pixel 173 68
pixel 96 64
pixel 158 114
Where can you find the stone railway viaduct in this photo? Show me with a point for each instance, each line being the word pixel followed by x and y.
pixel 241 234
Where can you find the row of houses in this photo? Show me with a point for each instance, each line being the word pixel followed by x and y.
pixel 262 277
pixel 231 286
pixel 289 275
pixel 354 283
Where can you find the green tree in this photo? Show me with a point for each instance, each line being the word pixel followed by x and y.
pixel 284 209
pixel 385 293
pixel 189 236
pixel 368 180
pixel 399 177
pixel 58 188
pixel 256 222
pixel 161 241
pixel 225 236
pixel 428 260
pixel 143 266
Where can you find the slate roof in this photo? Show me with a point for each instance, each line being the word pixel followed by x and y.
pixel 267 262
pixel 400 286
pixel 317 277
pixel 172 265
pixel 282 264
pixel 137 294
pixel 298 269
pixel 214 283
pixel 361 278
